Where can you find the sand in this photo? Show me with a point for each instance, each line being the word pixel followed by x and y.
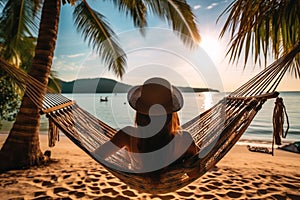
pixel 241 174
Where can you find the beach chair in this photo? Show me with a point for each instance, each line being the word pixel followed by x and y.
pixel 215 131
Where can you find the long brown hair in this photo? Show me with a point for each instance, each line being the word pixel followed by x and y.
pixel 157 141
pixel 170 127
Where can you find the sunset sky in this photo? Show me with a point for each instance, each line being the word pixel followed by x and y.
pixel 160 52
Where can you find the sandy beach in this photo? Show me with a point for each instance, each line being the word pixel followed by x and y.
pixel 241 174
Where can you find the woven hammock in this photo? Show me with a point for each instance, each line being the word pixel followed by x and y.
pixel 215 131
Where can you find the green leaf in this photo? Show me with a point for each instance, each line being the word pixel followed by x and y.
pixel 96 30
pixel 262 28
pixel 136 9
pixel 179 16
pixel 18 21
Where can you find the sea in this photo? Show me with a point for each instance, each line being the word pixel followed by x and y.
pixel 117 113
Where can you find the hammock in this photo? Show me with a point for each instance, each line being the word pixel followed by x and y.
pixel 215 131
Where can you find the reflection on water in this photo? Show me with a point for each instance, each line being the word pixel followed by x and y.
pixel 208 100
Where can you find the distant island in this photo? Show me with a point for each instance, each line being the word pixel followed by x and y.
pixel 105 85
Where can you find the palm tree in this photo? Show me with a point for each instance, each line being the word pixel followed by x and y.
pixel 21 148
pixel 263 28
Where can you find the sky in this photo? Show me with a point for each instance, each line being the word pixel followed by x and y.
pixel 160 52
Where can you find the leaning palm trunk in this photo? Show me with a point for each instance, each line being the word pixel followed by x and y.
pixel 21 149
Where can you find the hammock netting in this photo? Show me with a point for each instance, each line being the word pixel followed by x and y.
pixel 215 131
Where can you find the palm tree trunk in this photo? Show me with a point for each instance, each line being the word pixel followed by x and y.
pixel 22 149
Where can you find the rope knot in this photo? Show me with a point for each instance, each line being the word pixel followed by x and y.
pixel 53 133
pixel 278 121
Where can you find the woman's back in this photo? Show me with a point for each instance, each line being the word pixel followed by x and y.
pixel 159 151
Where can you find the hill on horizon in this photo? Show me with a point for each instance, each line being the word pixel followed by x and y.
pixel 106 85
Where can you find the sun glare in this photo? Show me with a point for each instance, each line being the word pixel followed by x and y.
pixel 212 47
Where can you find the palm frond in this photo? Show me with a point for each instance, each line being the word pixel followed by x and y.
pixel 36 7
pixel 27 52
pixel 136 9
pixel 97 32
pixel 2 3
pixel 18 21
pixel 179 16
pixel 19 18
pixel 72 2
pixel 262 28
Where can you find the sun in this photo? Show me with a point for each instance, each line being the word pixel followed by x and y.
pixel 212 46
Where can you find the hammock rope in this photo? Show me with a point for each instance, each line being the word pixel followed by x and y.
pixel 278 120
pixel 215 131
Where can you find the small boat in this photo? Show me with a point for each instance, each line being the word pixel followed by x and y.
pixel 103 99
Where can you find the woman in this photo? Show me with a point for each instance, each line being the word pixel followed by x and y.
pixel 157 141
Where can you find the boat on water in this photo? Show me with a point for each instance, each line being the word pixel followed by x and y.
pixel 103 99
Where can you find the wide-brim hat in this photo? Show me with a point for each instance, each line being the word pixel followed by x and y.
pixel 155 97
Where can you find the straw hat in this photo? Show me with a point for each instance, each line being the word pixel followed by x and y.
pixel 156 97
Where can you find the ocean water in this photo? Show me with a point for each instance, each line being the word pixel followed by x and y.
pixel 117 113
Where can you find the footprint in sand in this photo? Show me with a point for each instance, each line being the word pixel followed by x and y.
pixel 246 187
pixel 233 194
pixel 37 180
pixel 216 183
pixel 262 176
pixel 261 191
pixel 211 176
pixel 124 187
pixel 217 173
pixel 228 182
pixel 39 193
pixel 66 176
pixel 212 187
pixel 209 196
pixel 76 187
pixel 185 194
pixel 257 184
pixel 191 187
pixel 110 190
pixel 245 181
pixel 166 197
pixel 47 183
pixel 79 194
pixel 113 184
pixel 119 197
pixel 94 188
pixel 278 196
pixel 204 189
pixel 293 196
pixel 129 193
pixel 60 189
pixel 294 187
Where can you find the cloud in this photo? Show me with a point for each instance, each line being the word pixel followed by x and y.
pixel 64 65
pixel 211 6
pixel 196 7
pixel 76 55
pixel 66 68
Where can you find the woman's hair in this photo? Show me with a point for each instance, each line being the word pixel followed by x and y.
pixel 149 141
pixel 170 127
pixel 175 123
